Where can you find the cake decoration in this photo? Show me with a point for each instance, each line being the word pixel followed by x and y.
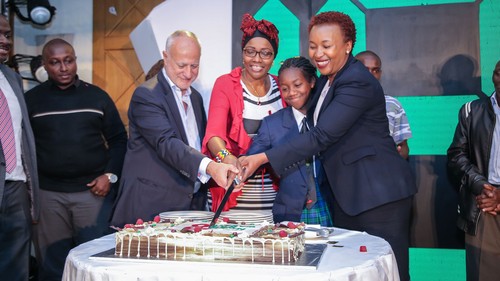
pixel 226 240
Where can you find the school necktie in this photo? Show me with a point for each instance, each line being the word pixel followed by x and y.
pixel 7 134
pixel 311 186
pixel 304 127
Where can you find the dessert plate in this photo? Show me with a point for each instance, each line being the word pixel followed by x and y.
pixel 249 216
pixel 188 215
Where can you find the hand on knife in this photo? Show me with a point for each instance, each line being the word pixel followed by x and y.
pixel 223 174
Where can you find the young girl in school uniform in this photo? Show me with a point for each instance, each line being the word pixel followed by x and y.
pixel 303 191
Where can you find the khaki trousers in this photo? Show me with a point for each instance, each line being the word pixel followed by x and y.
pixel 482 251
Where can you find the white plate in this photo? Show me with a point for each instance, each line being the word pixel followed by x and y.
pixel 194 215
pixel 249 216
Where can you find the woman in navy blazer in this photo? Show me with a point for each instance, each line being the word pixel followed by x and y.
pixel 372 185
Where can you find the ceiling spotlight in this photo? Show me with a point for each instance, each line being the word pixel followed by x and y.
pixel 40 12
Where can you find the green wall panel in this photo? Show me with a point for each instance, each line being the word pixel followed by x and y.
pixel 432 118
pixel 376 4
pixel 432 121
pixel 437 264
pixel 288 26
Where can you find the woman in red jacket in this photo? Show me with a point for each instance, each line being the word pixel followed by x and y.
pixel 239 102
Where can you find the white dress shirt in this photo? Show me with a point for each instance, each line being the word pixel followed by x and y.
pixel 321 99
pixel 190 126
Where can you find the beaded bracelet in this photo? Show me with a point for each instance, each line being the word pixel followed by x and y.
pixel 222 154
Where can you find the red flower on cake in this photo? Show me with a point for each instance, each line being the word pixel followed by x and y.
pixel 157 219
pixel 291 225
pixel 139 221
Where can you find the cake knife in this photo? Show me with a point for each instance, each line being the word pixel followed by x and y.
pixel 236 181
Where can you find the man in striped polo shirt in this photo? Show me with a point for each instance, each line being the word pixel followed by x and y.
pixel 399 126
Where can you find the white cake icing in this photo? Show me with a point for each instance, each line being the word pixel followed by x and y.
pixel 223 241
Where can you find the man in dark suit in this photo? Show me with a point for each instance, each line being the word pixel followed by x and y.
pixel 18 173
pixel 164 169
pixel 372 185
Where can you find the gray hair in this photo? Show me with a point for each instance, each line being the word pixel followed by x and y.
pixel 180 33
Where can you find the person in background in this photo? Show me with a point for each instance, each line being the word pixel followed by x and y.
pixel 399 127
pixel 238 103
pixel 371 184
pixel 153 71
pixel 473 163
pixel 80 142
pixel 299 197
pixel 164 169
pixel 19 204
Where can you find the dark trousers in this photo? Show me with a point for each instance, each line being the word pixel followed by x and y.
pixel 66 221
pixel 199 201
pixel 15 232
pixel 390 222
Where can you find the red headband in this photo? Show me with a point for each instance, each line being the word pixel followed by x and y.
pixel 249 26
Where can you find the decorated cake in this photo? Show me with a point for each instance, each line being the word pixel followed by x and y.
pixel 226 240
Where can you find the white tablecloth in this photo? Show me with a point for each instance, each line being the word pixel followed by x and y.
pixel 337 263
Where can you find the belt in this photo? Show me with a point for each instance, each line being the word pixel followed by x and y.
pixel 9 181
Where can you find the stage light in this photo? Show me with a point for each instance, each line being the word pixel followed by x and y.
pixel 40 12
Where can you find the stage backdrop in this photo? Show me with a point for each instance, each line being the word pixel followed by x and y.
pixel 436 56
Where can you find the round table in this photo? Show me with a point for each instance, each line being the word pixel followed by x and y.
pixel 340 261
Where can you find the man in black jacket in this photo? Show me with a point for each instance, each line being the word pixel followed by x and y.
pixel 81 143
pixel 474 162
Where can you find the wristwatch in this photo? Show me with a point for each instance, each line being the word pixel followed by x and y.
pixel 112 177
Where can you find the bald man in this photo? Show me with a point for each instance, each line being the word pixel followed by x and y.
pixel 398 122
pixel 81 143
pixel 164 169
